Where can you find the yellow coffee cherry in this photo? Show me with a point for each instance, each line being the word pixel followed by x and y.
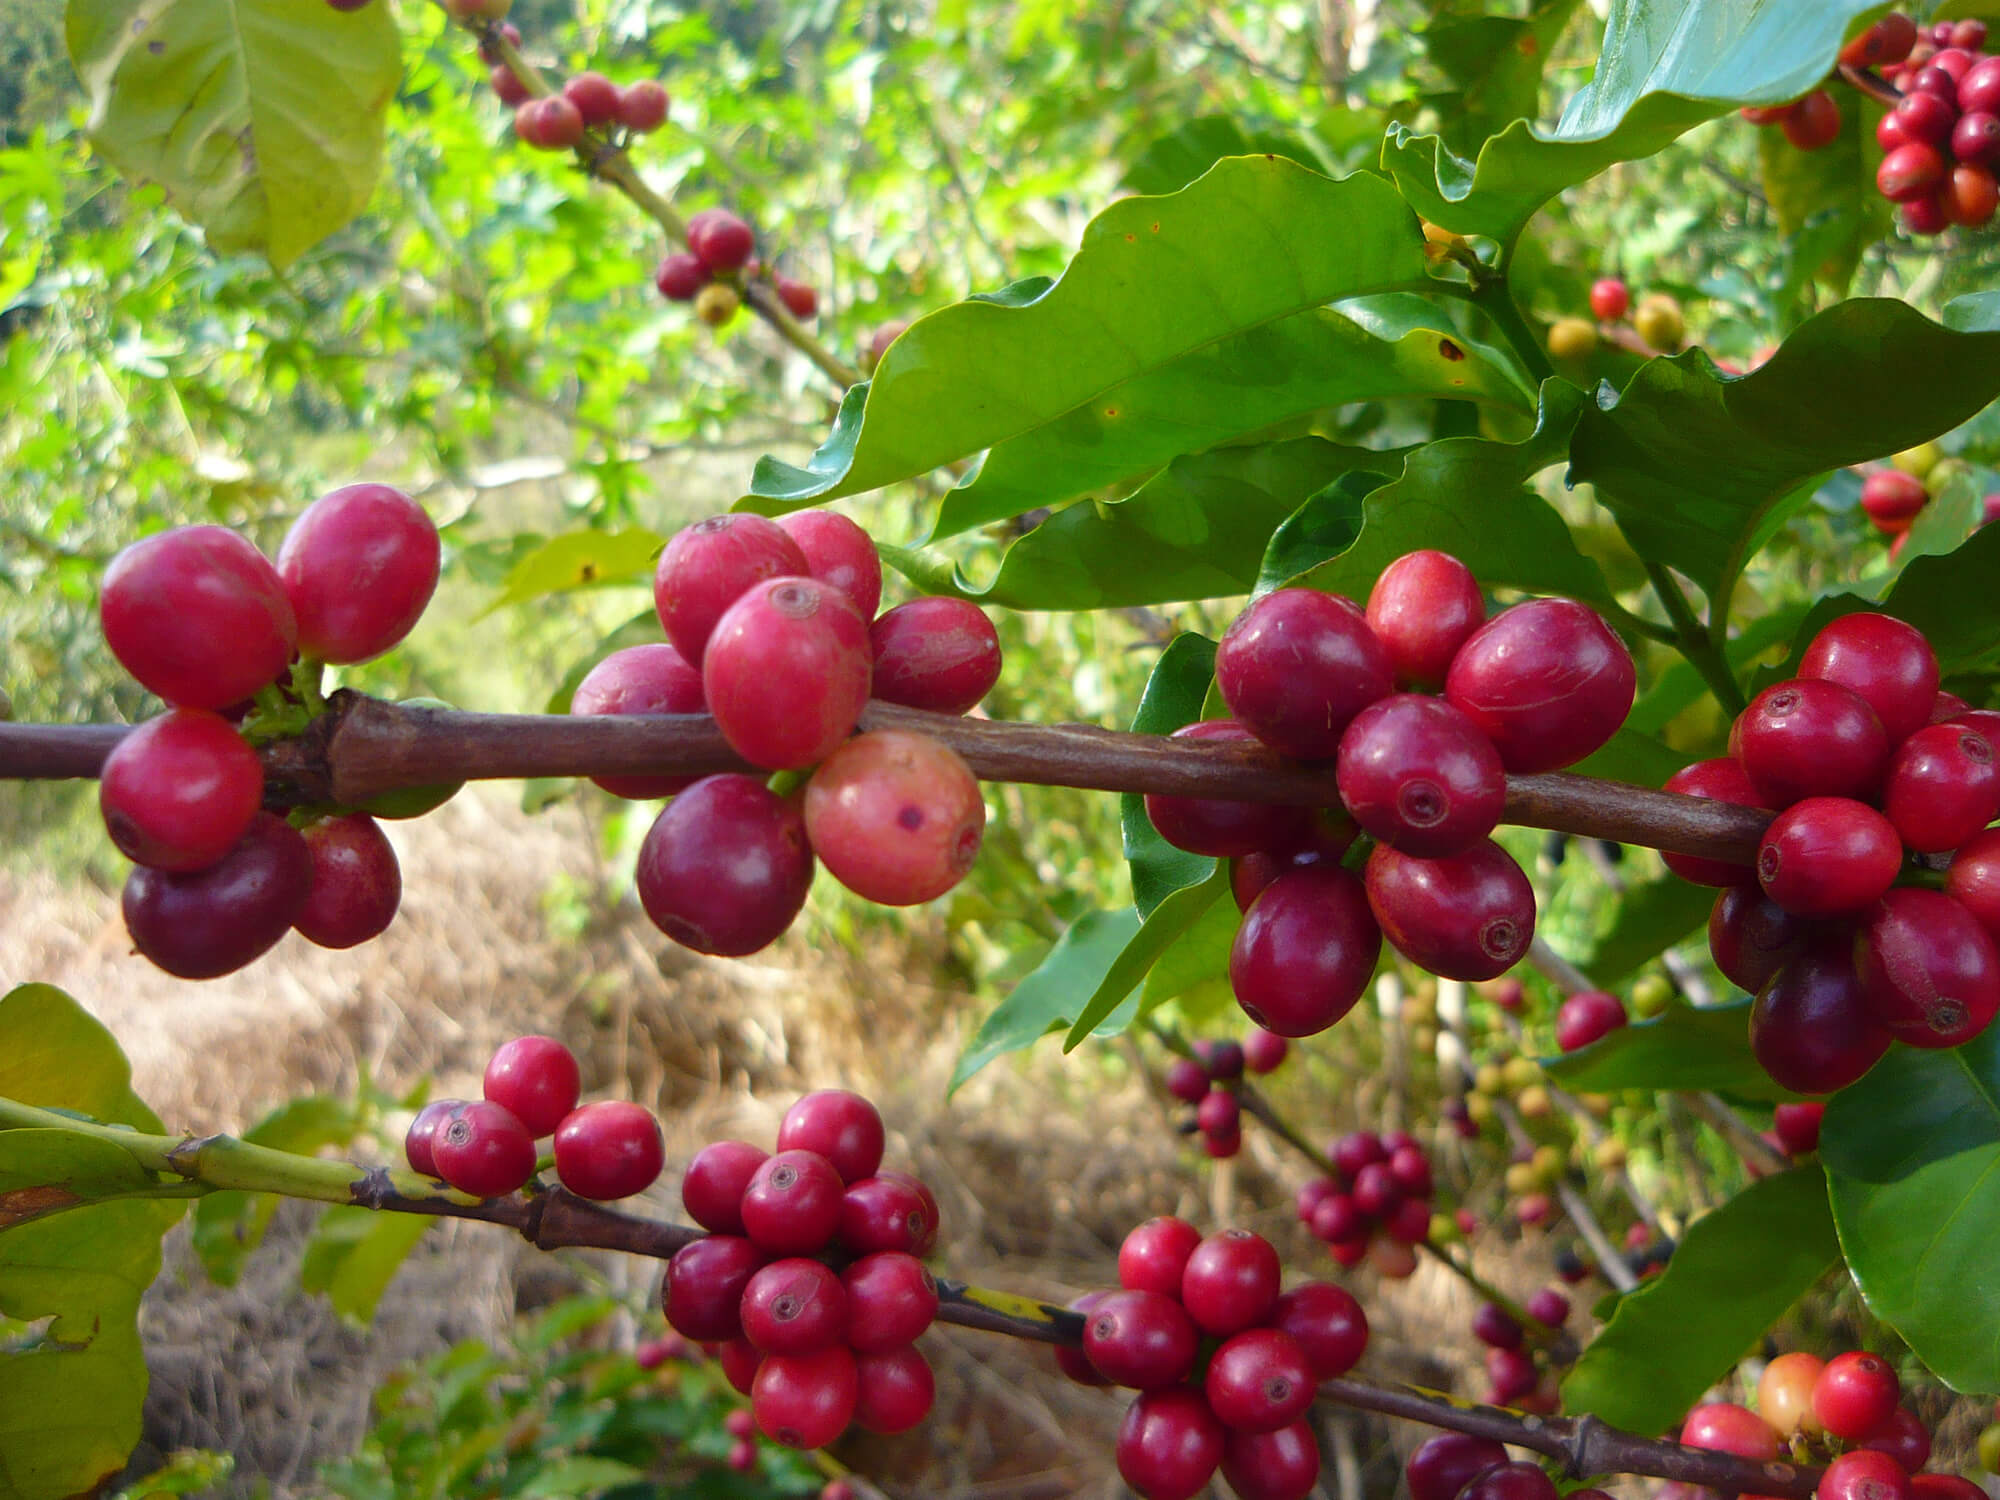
pixel 1521 1072
pixel 716 303
pixel 1651 994
pixel 1533 1102
pixel 1478 1108
pixel 1548 1163
pixel 1609 1153
pixel 1659 322
pixel 1572 338
pixel 1597 1105
pixel 1490 1078
pixel 1918 461
pixel 1523 1178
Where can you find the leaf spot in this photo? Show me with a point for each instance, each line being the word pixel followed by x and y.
pixel 1450 350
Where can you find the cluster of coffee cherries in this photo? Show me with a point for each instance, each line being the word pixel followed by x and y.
pixel 1377 1205
pixel 814 1347
pixel 1847 1405
pixel 772 628
pixel 204 620
pixel 1314 677
pixel 586 102
pixel 1657 320
pixel 1873 772
pixel 1512 1378
pixel 1185 1301
pixel 1208 1081
pixel 711 272
pixel 1458 1466
pixel 609 1148
pixel 1893 497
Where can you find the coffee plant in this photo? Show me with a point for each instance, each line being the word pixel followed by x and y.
pixel 1516 655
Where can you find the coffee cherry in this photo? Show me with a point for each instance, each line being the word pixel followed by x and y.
pixel 1549 1307
pixel 786 672
pixel 1910 172
pixel 1258 1381
pixel 609 1149
pixel 1943 1487
pixel 1813 122
pixel 1797 1127
pixel 1169 1445
pixel 792 1205
pixel 550 123
pixel 1470 916
pixel 422 1134
pixel 1725 1427
pixel 1213 826
pixel 1321 836
pixel 1072 1361
pixel 1659 322
pixel 1886 661
pixel 596 97
pixel 1971 197
pixel 742 1456
pixel 1187 1080
pixel 888 1212
pixel 1609 299
pixel 708 566
pixel 536 1078
pixel 1720 780
pixel 805 1400
pixel 1297 666
pixel 1337 1219
pixel 1417 774
pixel 1221 1058
pixel 1810 738
pixel 1326 1323
pixel 1928 971
pixel 1219 1114
pixel 1510 1481
pixel 180 791
pixel 1376 1192
pixel 717 304
pixel 507 86
pixel 680 276
pixel 1942 788
pixel 1586 1017
pixel 840 553
pixel 1495 1327
pixel 740 1423
pixel 712 1189
pixel 703 1292
pixel 739 1360
pixel 1784 1393
pixel 1305 952
pixel 1546 681
pixel 1231 1282
pixel 879 342
pixel 1925 119
pixel 642 106
pixel 1358 1149
pixel 1264 1051
pixel 843 1127
pixel 489 51
pixel 1864 1475
pixel 1411 1169
pixel 794 1306
pixel 1979 88
pixel 198 616
pixel 205 923
pixel 1973 879
pixel 1422 608
pixel 1891 497
pixel 1888 41
pixel 1811 1029
pixel 1443 1465
pixel 895 817
pixel 356 883
pixel 1572 338
pixel 1154 1255
pixel 483 1150
pixel 725 867
pixel 1975 140
pixel 650 679
pixel 894 1390
pixel 935 653
pixel 1751 937
pixel 1827 856
pixel 1280 1465
pixel 1140 1339
pixel 799 299
pixel 1904 1438
pixel 722 241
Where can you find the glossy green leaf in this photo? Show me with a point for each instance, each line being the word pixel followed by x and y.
pixel 571 1478
pixel 1154 281
pixel 354 1253
pixel 1046 999
pixel 579 560
pixel 1321 529
pixel 1179 157
pixel 1174 696
pixel 1682 1048
pixel 1733 1275
pixel 1650 919
pixel 45 1172
pixel 229 1225
pixel 1912 1152
pixel 1494 65
pixel 1665 66
pixel 1163 925
pixel 1194 971
pixel 262 119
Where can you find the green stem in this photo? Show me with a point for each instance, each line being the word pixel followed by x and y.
pixel 1491 296
pixel 1693 641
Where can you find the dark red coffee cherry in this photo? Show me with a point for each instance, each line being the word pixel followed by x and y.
pixel 1376 1192
pixel 1418 775
pixel 1140 1339
pixel 794 1306
pixel 211 922
pixel 1751 937
pixel 1510 1481
pixel 726 866
pixel 1928 970
pixel 1811 738
pixel 679 276
pixel 1230 1282
pixel 1169 1445
pixel 1187 1080
pixel 356 883
pixel 708 566
pixel 1219 1114
pixel 536 1077
pixel 1943 1487
pixel 1811 1028
pixel 1423 608
pixel 1469 916
pixel 940 654
pixel 792 1204
pixel 1943 786
pixel 1328 1325
pixel 837 551
pixel 1495 1327
pixel 712 1189
pixel 888 1212
pixel 1206 825
pixel 651 679
pixel 1443 1465
pixel 1221 1057
pixel 1549 1307
pixel 724 243
pixel 891 1299
pixel 786 672
pixel 894 1390
pixel 1297 666
pixel 1864 1474
pixel 1264 1051
pixel 180 791
pixel 703 1293
pixel 1886 661
pixel 1797 1126
pixel 895 817
pixel 642 106
pixel 739 1360
pixel 1904 1438
pixel 1586 1017
pixel 841 1126
pixel 358 565
pixel 1973 879
pixel 198 616
pixel 1338 1220
pixel 1358 1149
pixel 1155 1254
pixel 1258 1381
pixel 1724 1427
pixel 423 1133
pixel 805 1400
pixel 483 1150
pixel 1305 952
pixel 1321 837
pixel 1411 1169
pixel 610 1148
pixel 550 123
pixel 1280 1465
pixel 1828 856
pixel 1547 682
pixel 1813 122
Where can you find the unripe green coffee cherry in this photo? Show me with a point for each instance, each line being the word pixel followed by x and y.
pixel 1521 1072
pixel 1650 995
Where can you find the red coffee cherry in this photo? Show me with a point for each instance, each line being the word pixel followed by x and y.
pixel 708 566
pixel 507 86
pixel 1073 1362
pixel 198 616
pixel 1928 970
pixel 1925 118
pixel 843 1127
pixel 1942 788
pixel 679 276
pixel 1510 1481
pixel 1973 879
pixel 794 1306
pixel 838 552
pixel 483 1150
pixel 1305 952
pixel 703 1291
pixel 1338 1219
pixel 1322 836
pixel 805 1400
pixel 649 679
pixel 1219 1114
pixel 1891 497
pixel 1721 780
pixel 1417 775
pixel 1169 1445
pixel 1609 299
pixel 1445 1464
pixel 1264 1051
pixel 1140 1339
pixel 1726 1427
pixel 1297 666
pixel 1864 1474
pixel 742 1456
pixel 608 1149
pixel 936 653
pixel 1943 1487
pixel 1813 122
pixel 422 1134
pixel 1411 1169
pixel 799 299
pixel 1886 661
pixel 726 866
pixel 1280 1465
pixel 740 1423
pixel 642 106
pixel 1888 41
pixel 1495 1327
pixel 786 672
pixel 894 1390
pixel 792 1205
pixel 1154 1255
pixel 1751 937
pixel 1469 916
pixel 724 243
pixel 1979 88
pixel 1810 738
pixel 1231 1282
pixel 205 923
pixel 1828 856
pixel 356 883
pixel 1376 1192
pixel 1904 1438
pixel 1797 1127
pixel 1423 607
pixel 1358 1149
pixel 1811 1028
pixel 1258 1381
pixel 891 1300
pixel 1586 1017
pixel 888 1212
pixel 1187 1080
pixel 1547 681
pixel 536 1078
pixel 596 97
pixel 180 791
pixel 739 1360
pixel 1549 1307
pixel 895 817
pixel 1221 1057
pixel 359 566
pixel 712 1189
pixel 1972 195
pixel 1213 826
pixel 1911 171
pixel 1328 1325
